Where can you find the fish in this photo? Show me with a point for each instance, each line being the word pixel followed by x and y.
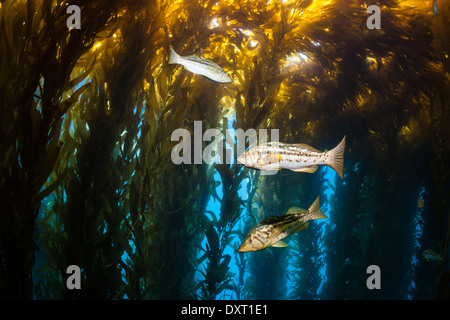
pixel 271 231
pixel 429 254
pixel 295 157
pixel 201 66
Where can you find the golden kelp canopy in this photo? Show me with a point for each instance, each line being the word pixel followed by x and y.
pixel 86 121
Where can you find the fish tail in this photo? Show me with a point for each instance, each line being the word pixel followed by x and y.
pixel 337 158
pixel 173 56
pixel 316 213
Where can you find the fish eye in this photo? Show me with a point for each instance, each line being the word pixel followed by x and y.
pixel 249 240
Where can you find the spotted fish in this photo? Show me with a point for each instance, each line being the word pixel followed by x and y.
pixel 296 157
pixel 271 231
pixel 201 66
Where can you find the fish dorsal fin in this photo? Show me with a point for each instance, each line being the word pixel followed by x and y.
pixel 303 227
pixel 280 244
pixel 271 144
pixel 305 146
pixel 294 210
pixel 194 58
pixel 311 169
pixel 201 61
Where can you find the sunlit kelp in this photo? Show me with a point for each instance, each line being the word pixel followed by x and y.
pixel 261 262
pixel 86 169
pixel 94 209
pixel 305 255
pixel 38 51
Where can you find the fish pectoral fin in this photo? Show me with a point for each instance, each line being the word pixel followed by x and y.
pixel 303 227
pixel 280 244
pixel 275 233
pixel 271 158
pixel 311 169
pixel 276 157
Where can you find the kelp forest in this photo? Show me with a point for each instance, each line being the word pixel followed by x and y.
pixel 87 176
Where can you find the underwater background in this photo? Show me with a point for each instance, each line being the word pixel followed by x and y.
pixel 87 177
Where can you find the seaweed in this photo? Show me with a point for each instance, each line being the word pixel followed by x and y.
pixel 86 175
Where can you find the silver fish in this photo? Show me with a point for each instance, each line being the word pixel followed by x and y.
pixel 201 66
pixel 271 231
pixel 296 157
